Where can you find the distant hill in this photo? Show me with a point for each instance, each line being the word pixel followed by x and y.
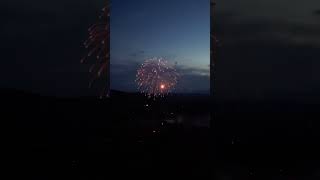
pixel 114 93
pixel 196 101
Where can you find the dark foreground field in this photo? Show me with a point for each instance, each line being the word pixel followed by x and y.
pixel 133 137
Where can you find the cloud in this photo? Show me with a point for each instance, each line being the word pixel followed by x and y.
pixel 232 29
pixel 263 58
pixel 192 80
pixel 123 74
pixel 185 70
pixel 136 54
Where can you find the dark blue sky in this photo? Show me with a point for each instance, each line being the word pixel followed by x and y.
pixel 269 48
pixel 174 29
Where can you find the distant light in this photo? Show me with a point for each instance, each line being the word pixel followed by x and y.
pixel 162 86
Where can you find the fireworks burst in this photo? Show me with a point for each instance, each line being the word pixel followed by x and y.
pixel 156 77
pixel 98 45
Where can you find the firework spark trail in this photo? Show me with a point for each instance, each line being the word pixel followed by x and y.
pixel 98 45
pixel 156 77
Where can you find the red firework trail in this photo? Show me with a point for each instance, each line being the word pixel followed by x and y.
pixel 98 45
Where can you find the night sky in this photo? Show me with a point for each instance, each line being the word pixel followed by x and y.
pixel 177 31
pixel 269 48
pixel 42 44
